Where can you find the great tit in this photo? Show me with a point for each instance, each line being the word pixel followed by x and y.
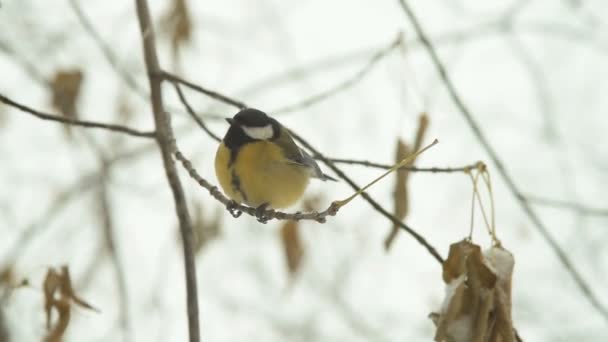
pixel 258 163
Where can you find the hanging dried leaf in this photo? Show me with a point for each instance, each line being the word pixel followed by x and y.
pixel 178 24
pixel 49 287
pixel 400 193
pixel 65 89
pixel 58 295
pixel 7 276
pixel 423 124
pixel 66 287
pixel 205 231
pixel 56 333
pixel 292 245
pixel 477 303
pixel 124 108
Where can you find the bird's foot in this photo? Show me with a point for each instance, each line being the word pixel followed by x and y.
pixel 263 214
pixel 232 208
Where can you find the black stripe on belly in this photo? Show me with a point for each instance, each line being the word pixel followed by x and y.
pixel 236 185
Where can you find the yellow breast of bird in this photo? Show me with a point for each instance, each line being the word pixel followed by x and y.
pixel 260 174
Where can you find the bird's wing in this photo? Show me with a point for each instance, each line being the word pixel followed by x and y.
pixel 297 156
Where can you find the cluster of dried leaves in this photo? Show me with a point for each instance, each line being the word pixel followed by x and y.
pixel 59 296
pixel 477 306
pixel 400 193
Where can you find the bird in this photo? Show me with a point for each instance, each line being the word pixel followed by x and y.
pixel 258 163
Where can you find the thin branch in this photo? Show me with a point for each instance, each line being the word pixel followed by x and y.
pixel 314 99
pixel 369 199
pixel 193 114
pixel 163 138
pixel 555 203
pixel 106 50
pixel 215 137
pixel 109 229
pixel 408 168
pixel 44 220
pixel 28 67
pixel 540 226
pixel 213 94
pixel 74 122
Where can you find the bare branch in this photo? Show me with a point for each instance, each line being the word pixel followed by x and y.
pixel 314 99
pixel 106 50
pixel 538 224
pixel 193 114
pixel 109 229
pixel 366 163
pixel 74 122
pixel 577 207
pixel 215 95
pixel 163 138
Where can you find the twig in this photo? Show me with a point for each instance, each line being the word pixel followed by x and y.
pixel 28 67
pixel 213 94
pixel 193 114
pixel 58 204
pixel 561 254
pixel 215 137
pixel 370 200
pixel 408 168
pixel 163 137
pixel 555 203
pixel 314 99
pixel 106 50
pixel 74 122
pixel 109 229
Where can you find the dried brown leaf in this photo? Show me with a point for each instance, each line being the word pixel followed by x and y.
pixel 124 109
pixel 65 89
pixel 476 308
pixel 51 283
pixel 454 265
pixel 7 276
pixel 59 295
pixel 205 231
pixel 400 193
pixel 178 24
pixel 401 202
pixel 56 333
pixel 423 124
pixel 68 290
pixel 292 245
pixel 479 275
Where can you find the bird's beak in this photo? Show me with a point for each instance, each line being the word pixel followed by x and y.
pixel 230 120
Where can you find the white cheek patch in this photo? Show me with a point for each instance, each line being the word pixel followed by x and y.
pixel 259 133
